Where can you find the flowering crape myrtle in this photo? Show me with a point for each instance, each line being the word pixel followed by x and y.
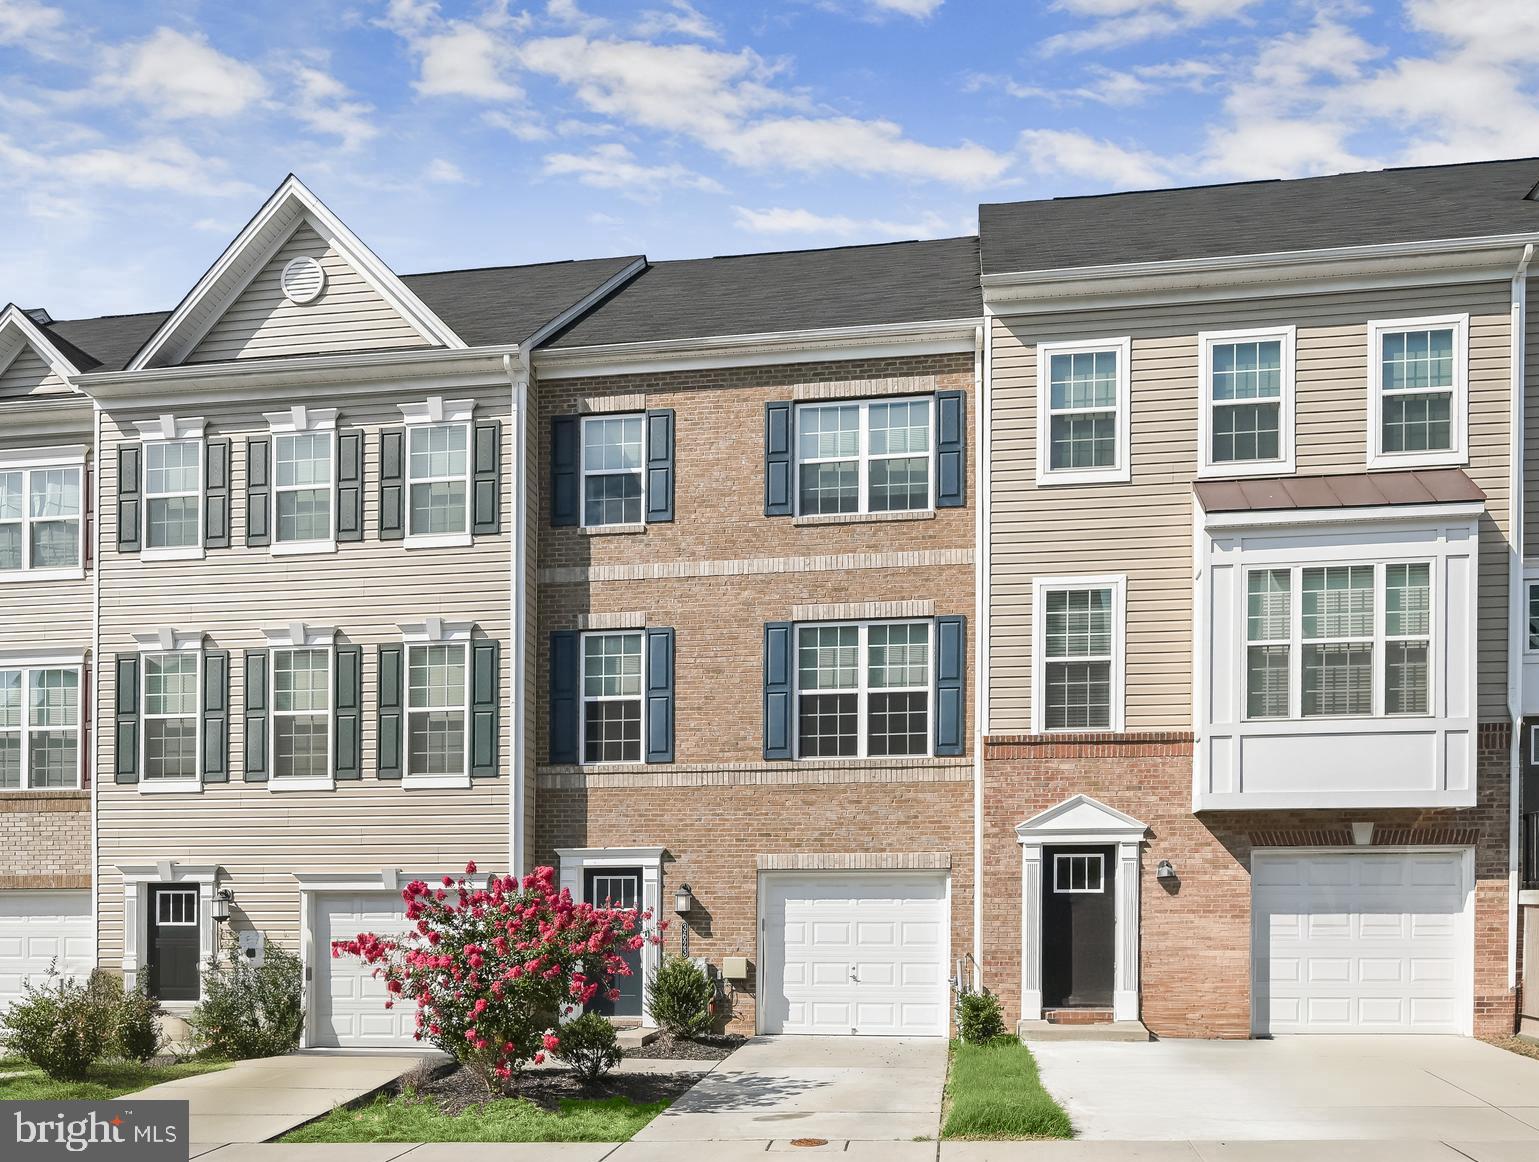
pixel 492 970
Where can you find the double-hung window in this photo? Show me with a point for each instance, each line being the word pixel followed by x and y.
pixel 301 713
pixel 1247 381
pixel 1418 377
pixel 1357 643
pixel 438 478
pixel 1531 589
pixel 1079 653
pixel 1083 411
pixel 303 499
pixel 437 710
pixel 865 457
pixel 39 727
pixel 863 689
pixel 173 494
pixel 612 680
pixel 170 716
pixel 613 470
pixel 41 514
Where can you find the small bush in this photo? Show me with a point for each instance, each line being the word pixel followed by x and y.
pixel 681 997
pixel 250 1010
pixel 137 1028
pixel 982 1019
pixel 62 1026
pixel 590 1046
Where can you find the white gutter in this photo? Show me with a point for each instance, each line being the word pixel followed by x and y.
pixel 981 378
pixel 96 666
pixel 1515 612
pixel 519 373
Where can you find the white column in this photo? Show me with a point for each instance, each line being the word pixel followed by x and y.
pixel 133 925
pixel 651 954
pixel 1031 931
pixel 1125 984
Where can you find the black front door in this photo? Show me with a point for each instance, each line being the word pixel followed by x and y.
pixel 618 888
pixel 172 963
pixel 1078 926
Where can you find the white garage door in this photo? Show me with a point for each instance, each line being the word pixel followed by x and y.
pixel 348 1002
pixel 853 952
pixel 37 928
pixel 1359 942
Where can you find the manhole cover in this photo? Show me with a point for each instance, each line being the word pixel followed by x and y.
pixel 809 1141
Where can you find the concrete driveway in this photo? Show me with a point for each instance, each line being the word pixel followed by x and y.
pixel 1444 1089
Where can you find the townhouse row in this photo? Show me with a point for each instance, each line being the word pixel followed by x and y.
pixel 1131 622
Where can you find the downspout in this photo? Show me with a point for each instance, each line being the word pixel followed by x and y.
pixel 982 380
pixel 94 686
pixel 1515 611
pixel 519 372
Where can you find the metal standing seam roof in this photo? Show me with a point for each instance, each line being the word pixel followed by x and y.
pixel 1346 490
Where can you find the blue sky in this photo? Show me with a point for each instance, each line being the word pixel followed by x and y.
pixel 137 138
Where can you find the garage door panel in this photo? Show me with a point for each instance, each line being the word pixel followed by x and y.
pixel 38 929
pixel 348 1002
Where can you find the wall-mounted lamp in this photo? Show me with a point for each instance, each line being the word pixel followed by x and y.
pixel 222 900
pixel 1164 870
pixel 683 900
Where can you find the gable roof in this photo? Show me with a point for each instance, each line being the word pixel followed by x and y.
pixel 792 290
pixel 18 330
pixel 1430 203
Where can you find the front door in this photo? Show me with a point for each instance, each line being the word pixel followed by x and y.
pixel 618 888
pixel 172 963
pixel 1078 927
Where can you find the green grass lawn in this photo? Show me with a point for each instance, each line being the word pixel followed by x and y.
pixel 408 1118
pixel 106 1079
pixel 992 1092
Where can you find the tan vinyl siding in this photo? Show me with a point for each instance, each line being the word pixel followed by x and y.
pixel 349 315
pixel 1531 423
pixel 1144 528
pixel 365 589
pixel 29 374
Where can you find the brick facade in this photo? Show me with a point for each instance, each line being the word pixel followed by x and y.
pixel 45 840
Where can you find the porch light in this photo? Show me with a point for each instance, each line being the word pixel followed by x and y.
pixel 683 900
pixel 1164 870
pixel 222 900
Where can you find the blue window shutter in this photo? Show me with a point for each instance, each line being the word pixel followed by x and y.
pixel 564 646
pixel 255 693
pixel 216 494
pixel 565 471
pixel 347 714
pixel 350 486
pixel 214 766
pixel 126 715
pixel 950 685
pixel 392 711
pixel 392 484
pixel 777 460
pixel 950 449
pixel 659 680
pixel 485 683
pixel 486 478
pixel 258 492
pixel 130 497
pixel 778 714
pixel 660 465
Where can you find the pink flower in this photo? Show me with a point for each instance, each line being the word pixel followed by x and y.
pixel 551 1042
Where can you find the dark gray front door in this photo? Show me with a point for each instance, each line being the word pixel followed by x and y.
pixel 618 888
pixel 1078 927
pixel 172 961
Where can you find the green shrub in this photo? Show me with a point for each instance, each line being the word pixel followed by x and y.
pixel 590 1046
pixel 250 1010
pixel 681 997
pixel 61 1025
pixel 981 1019
pixel 136 1030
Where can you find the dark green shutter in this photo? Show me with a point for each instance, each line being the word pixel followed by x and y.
pixel 564 645
pixel 659 685
pixel 258 492
pixel 485 684
pixel 126 716
pixel 778 715
pixel 950 449
pixel 566 471
pixel 486 478
pixel 350 486
pixel 347 714
pixel 392 486
pixel 778 499
pixel 214 766
pixel 255 679
pixel 950 685
pixel 130 497
pixel 216 494
pixel 660 465
pixel 392 707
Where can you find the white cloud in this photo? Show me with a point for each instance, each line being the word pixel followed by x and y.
pixel 327 106
pixel 179 76
pixel 1115 23
pixel 870 148
pixel 441 171
pixel 35 27
pixel 680 19
pixel 783 220
pixel 919 9
pixel 466 60
pixel 157 164
pixel 612 166
pixel 1120 87
pixel 1079 155
pixel 524 128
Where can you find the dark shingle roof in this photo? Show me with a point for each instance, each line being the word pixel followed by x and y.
pixel 746 294
pixel 106 343
pixel 1355 209
pixel 1345 490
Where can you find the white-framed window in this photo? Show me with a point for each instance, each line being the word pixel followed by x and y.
pixel 1418 391
pixel 439 465
pixel 173 494
pixel 437 711
pixel 176 908
pixel 1084 410
pixel 863 689
pixel 1079 873
pixel 865 456
pixel 301 714
pixel 1339 641
pixel 1246 379
pixel 1079 654
pixel 304 479
pixel 613 722
pixel 170 723
pixel 39 727
pixel 1531 592
pixel 614 457
pixel 42 507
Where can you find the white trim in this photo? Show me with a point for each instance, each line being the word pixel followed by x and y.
pixel 583 305
pixel 309 267
pixel 862 688
pixel 24 462
pixel 61 456
pixel 295 638
pixel 436 412
pixel 435 629
pixel 583 471
pixel 301 418
pixel 14 316
pixel 1207 468
pixel 1040 587
pixel 864 458
pixel 1517 612
pixel 574 862
pixel 442 540
pixel 24 728
pixel 421 635
pixel 167 428
pixel 639 633
pixel 518 621
pixel 167 640
pixel 302 421
pixel 137 879
pixel 298 635
pixel 194 437
pixel 1459 404
pixel 1067 859
pixel 63 656
pixel 1370 514
pixel 983 374
pixel 178 646
pixel 1121 468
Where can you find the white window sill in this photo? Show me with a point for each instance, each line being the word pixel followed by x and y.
pixel 1243 468
pixel 303 548
pixel 5 791
pixel 177 1008
pixel 13 576
pixel 180 553
pixel 1384 461
pixel 851 518
pixel 1096 476
pixel 169 786
pixel 436 782
pixel 613 530
pixel 279 785
pixel 440 541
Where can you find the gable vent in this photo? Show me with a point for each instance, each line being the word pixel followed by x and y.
pixel 303 280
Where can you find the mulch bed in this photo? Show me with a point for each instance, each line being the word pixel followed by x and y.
pixel 711 1047
pixel 460 1090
